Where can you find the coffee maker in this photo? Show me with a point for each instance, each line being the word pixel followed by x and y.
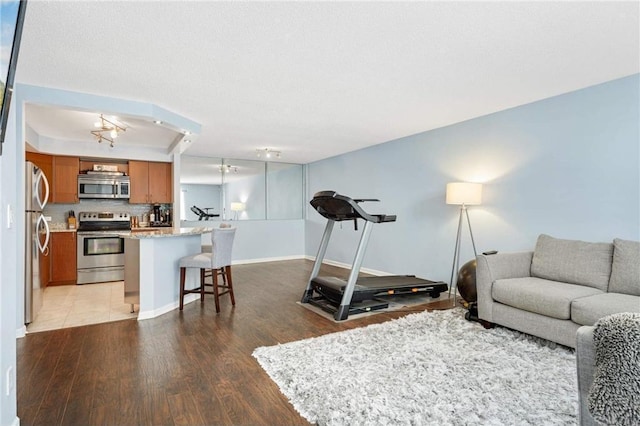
pixel 156 212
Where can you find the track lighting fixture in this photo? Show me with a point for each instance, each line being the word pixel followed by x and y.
pixel 104 127
pixel 268 153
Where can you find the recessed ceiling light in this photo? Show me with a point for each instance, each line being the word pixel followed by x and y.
pixel 187 141
pixel 186 132
pixel 157 121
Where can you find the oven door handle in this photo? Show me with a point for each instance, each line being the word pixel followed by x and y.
pixel 101 269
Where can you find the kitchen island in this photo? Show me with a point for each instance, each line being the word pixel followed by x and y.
pixel 151 271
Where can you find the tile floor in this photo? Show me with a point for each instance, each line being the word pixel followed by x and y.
pixel 74 305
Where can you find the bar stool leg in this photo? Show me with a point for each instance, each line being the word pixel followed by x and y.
pixel 201 285
pixel 215 290
pixel 182 277
pixel 227 270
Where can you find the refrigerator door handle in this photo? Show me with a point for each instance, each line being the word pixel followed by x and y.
pixel 45 246
pixel 43 178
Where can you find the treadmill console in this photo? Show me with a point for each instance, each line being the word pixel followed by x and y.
pixel 338 207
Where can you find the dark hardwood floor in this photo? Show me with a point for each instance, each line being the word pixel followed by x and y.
pixel 185 368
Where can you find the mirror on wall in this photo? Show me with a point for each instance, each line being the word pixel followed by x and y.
pixel 228 189
pixel 285 191
pixel 201 189
pixel 244 189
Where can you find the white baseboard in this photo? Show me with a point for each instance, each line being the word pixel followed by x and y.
pixel 348 266
pixel 21 332
pixel 143 315
pixel 267 259
pixel 16 422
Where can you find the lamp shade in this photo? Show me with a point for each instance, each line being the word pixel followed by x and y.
pixel 466 193
pixel 237 207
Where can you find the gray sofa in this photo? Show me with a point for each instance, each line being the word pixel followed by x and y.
pixel 586 361
pixel 559 287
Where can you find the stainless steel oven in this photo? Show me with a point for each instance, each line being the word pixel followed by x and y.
pixel 100 251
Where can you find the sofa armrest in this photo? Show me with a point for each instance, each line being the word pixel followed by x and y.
pixel 495 267
pixel 585 363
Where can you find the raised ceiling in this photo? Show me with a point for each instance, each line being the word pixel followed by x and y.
pixel 317 79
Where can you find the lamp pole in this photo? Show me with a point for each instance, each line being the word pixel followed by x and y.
pixel 456 251
pixel 462 194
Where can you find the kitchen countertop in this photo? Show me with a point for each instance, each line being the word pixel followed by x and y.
pixel 63 227
pixel 141 233
pixel 60 227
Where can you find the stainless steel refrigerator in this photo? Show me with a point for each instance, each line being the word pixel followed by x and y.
pixel 36 238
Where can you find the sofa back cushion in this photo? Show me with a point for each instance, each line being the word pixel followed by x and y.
pixel 572 261
pixel 625 270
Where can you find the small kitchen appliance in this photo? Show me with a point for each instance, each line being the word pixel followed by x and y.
pixel 103 184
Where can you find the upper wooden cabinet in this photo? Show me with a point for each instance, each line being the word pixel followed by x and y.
pixel 62 174
pixel 64 188
pixel 139 186
pixel 150 182
pixel 160 182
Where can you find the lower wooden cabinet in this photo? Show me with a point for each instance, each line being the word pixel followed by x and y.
pixel 63 247
pixel 45 267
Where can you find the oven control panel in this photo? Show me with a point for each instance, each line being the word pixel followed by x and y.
pixel 103 217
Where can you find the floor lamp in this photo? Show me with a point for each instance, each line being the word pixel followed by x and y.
pixel 236 208
pixel 463 194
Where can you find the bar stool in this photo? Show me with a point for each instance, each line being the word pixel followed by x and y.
pixel 217 262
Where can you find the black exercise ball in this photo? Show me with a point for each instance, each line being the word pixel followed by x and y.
pixel 467 281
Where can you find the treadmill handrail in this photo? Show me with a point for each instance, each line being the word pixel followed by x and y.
pixel 338 207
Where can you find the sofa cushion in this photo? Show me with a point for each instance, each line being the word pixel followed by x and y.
pixel 544 297
pixel 625 270
pixel 573 262
pixel 588 310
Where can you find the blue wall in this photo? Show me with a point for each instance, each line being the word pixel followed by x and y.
pixel 567 166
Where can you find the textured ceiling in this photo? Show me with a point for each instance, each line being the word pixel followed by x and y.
pixel 317 79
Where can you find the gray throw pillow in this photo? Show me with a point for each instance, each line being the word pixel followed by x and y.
pixel 625 271
pixel 572 261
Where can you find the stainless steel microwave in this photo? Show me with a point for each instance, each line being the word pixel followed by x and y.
pixel 92 186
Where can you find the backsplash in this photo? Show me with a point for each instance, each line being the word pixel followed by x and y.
pixel 60 212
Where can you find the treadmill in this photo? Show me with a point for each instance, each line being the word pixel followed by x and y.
pixel 356 295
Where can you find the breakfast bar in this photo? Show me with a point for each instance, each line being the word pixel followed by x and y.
pixel 151 272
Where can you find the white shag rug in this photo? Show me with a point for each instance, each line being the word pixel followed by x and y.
pixel 431 368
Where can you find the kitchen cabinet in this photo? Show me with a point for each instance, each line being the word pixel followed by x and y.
pixel 45 267
pixel 150 182
pixel 63 258
pixel 62 174
pixel 64 188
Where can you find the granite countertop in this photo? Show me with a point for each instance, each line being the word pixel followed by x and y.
pixel 140 233
pixel 60 227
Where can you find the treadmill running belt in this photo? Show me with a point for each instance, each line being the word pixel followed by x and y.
pixel 367 288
